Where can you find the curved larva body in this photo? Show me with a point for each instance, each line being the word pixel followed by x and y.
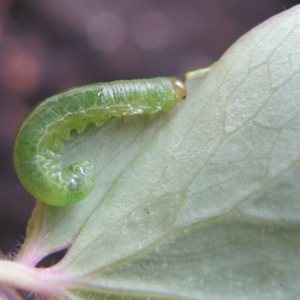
pixel 38 145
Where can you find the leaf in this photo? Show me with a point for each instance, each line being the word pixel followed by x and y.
pixel 202 203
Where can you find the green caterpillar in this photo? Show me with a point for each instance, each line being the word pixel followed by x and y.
pixel 40 139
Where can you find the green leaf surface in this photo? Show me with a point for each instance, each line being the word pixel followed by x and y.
pixel 200 203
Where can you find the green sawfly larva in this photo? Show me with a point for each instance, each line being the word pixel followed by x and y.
pixel 41 137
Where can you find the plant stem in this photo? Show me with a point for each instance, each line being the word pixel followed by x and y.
pixel 9 294
pixel 19 276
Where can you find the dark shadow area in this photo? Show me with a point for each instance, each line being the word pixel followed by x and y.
pixel 52 259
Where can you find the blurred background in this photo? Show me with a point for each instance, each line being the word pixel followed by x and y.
pixel 47 46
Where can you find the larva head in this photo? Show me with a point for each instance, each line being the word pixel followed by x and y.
pixel 64 186
pixel 79 182
pixel 179 88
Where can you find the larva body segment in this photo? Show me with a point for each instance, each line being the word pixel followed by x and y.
pixel 40 139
